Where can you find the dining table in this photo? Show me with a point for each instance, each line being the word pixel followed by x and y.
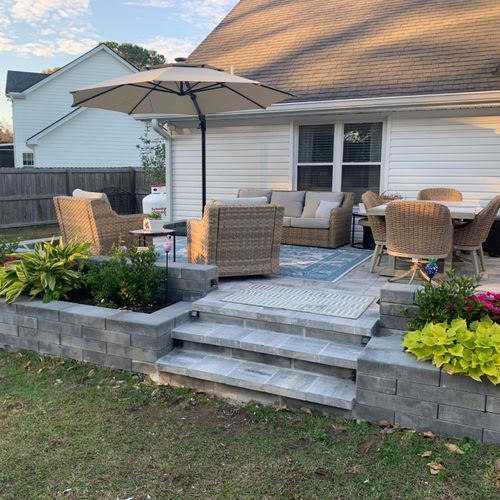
pixel 465 211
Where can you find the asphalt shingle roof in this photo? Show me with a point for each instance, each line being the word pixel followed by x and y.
pixel 18 81
pixel 340 49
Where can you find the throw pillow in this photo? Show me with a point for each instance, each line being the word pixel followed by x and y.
pixel 325 207
pixel 89 195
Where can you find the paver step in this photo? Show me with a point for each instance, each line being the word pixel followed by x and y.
pixel 356 331
pixel 269 342
pixel 286 382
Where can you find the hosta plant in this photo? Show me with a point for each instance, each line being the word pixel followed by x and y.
pixel 49 271
pixel 457 348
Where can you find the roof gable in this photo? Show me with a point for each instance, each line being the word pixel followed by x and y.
pixel 333 49
pixel 68 67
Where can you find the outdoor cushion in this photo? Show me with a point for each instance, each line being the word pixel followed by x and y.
pixel 261 200
pixel 293 201
pixel 254 192
pixel 89 195
pixel 310 223
pixel 325 207
pixel 313 199
pixel 286 221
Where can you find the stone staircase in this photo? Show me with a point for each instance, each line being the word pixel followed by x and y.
pixel 268 355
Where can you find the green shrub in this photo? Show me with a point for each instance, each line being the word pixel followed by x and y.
pixel 443 302
pixel 50 271
pixel 473 351
pixel 7 247
pixel 128 279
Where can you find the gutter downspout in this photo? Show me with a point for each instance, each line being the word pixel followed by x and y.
pixel 164 132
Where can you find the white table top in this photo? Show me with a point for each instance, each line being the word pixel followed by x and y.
pixel 459 209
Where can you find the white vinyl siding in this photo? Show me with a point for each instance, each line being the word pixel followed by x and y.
pixel 237 156
pixel 457 150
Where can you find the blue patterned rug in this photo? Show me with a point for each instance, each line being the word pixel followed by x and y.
pixel 307 263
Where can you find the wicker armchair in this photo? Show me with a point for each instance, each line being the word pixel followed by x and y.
pixel 471 236
pixel 241 240
pixel 419 230
pixel 337 234
pixel 439 194
pixel 94 222
pixel 377 224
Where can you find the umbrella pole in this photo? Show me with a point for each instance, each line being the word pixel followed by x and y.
pixel 203 128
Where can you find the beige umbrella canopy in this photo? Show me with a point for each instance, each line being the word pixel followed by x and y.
pixel 180 89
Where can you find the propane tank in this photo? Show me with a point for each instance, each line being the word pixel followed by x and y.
pixel 156 202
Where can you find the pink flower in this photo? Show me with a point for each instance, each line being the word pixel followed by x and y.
pixel 167 245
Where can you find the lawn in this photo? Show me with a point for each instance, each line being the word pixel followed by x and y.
pixel 30 232
pixel 70 430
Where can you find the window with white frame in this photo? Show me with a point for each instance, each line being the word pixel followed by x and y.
pixel 356 168
pixel 28 160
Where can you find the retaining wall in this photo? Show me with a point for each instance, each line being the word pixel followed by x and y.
pixel 109 337
pixel 395 386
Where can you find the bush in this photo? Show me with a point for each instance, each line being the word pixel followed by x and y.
pixel 446 301
pixel 129 279
pixel 50 271
pixel 7 247
pixel 457 348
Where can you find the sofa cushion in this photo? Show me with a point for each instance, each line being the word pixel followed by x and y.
pixel 324 209
pixel 293 201
pixel 314 197
pixel 286 221
pixel 310 223
pixel 89 195
pixel 261 200
pixel 254 193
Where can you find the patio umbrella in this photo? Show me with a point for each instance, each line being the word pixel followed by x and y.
pixel 180 89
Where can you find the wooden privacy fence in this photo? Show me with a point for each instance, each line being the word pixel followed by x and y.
pixel 26 194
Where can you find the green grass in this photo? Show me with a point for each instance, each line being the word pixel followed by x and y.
pixel 70 430
pixel 30 232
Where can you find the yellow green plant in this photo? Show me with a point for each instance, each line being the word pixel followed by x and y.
pixel 472 351
pixel 50 271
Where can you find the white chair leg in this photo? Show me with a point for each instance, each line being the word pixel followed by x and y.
pixel 380 254
pixel 475 258
pixel 481 258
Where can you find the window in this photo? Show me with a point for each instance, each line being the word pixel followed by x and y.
pixel 315 166
pixel 361 158
pixel 28 160
pixel 351 162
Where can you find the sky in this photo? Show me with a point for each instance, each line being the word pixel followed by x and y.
pixel 41 34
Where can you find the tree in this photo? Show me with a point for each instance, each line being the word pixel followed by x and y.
pixel 152 154
pixel 136 55
pixel 49 71
pixel 5 133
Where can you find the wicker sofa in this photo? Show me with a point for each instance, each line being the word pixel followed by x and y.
pixel 92 220
pixel 240 240
pixel 301 226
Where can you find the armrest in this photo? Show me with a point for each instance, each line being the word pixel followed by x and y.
pixel 198 247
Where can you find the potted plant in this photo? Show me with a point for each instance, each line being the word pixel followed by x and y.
pixel 153 221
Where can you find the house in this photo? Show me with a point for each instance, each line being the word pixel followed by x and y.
pixel 48 132
pixel 392 95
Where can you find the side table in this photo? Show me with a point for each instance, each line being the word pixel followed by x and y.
pixel 143 235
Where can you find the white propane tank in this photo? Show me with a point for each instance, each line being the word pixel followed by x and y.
pixel 156 202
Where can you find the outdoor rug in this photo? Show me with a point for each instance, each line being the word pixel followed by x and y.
pixel 306 263
pixel 311 300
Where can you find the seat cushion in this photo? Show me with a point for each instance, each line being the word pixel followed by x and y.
pixel 325 208
pixel 286 221
pixel 89 195
pixel 260 200
pixel 293 201
pixel 310 223
pixel 313 198
pixel 254 193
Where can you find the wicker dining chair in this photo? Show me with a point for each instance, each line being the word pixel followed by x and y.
pixel 439 194
pixel 377 225
pixel 471 236
pixel 418 230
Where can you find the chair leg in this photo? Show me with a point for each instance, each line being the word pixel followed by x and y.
pixel 481 258
pixel 375 257
pixel 381 252
pixel 475 258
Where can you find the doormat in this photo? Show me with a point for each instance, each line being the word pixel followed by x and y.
pixel 310 300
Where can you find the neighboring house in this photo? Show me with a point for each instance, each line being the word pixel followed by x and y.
pixel 392 95
pixel 48 132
